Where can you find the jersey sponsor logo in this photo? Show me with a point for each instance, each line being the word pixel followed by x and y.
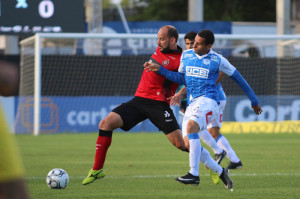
pixel 165 62
pixel 197 72
pixel 172 57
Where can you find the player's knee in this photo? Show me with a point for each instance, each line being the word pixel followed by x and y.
pixel 106 124
pixel 215 132
pixel 111 122
pixel 192 127
pixel 102 124
pixel 181 146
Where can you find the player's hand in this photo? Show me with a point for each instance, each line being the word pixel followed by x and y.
pixel 151 67
pixel 175 100
pixel 257 109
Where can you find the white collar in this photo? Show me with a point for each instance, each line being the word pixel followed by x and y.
pixel 202 56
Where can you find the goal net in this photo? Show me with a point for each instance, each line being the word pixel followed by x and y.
pixel 70 81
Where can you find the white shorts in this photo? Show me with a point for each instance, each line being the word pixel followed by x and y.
pixel 218 122
pixel 203 111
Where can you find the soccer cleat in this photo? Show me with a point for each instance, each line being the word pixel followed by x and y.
pixel 214 176
pixel 225 178
pixel 233 165
pixel 93 175
pixel 189 179
pixel 219 157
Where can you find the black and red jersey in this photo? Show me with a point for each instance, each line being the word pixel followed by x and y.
pixel 157 87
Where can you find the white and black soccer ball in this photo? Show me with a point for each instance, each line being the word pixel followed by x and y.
pixel 57 179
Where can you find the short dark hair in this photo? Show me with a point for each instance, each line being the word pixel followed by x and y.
pixel 190 35
pixel 208 36
pixel 172 32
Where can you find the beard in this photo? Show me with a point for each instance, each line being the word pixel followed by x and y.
pixel 166 49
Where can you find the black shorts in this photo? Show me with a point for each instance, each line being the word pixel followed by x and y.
pixel 138 109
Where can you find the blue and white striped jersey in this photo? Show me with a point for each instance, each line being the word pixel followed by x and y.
pixel 201 73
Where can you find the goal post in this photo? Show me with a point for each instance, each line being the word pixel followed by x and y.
pixel 33 46
pixel 70 81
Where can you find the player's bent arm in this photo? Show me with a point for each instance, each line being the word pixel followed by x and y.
pixel 238 78
pixel 172 76
pixel 231 71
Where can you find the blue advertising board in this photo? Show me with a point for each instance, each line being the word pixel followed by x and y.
pixel 70 114
pixel 275 108
pixel 83 114
pixel 218 27
pixel 117 47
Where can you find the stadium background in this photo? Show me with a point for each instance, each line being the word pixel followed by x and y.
pixel 82 69
pixel 144 165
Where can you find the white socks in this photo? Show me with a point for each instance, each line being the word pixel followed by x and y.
pixel 207 160
pixel 224 144
pixel 195 153
pixel 210 141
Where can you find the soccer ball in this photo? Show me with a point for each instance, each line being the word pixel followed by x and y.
pixel 57 179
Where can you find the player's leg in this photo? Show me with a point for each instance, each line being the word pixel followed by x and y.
pixel 192 177
pixel 175 138
pixel 195 119
pixel 195 146
pixel 211 142
pixel 213 128
pixel 106 126
pixel 215 168
pixel 203 159
pixel 221 140
pixel 235 162
pixel 162 116
pixel 216 171
pixel 123 116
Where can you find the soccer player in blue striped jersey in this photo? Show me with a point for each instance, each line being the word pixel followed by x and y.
pixel 198 71
pixel 206 137
pixel 214 129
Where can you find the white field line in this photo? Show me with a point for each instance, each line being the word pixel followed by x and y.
pixel 171 176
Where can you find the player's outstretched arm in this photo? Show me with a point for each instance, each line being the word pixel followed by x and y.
pixel 170 75
pixel 238 78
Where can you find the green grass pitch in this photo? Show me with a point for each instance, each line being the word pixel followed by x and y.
pixel 144 165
